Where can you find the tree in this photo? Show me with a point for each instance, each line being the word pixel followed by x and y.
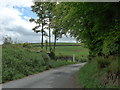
pixel 44 12
pixel 7 40
pixel 56 32
pixel 39 9
pixel 46 43
pixel 56 36
pixel 91 23
pixel 49 10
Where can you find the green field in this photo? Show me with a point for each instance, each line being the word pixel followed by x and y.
pixel 37 44
pixel 80 52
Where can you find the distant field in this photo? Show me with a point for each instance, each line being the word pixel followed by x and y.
pixel 80 51
pixel 57 44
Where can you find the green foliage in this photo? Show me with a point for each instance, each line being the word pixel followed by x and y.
pixel 92 76
pixel 27 45
pixel 114 66
pixel 7 40
pixel 88 76
pixel 39 10
pixel 59 63
pixel 111 42
pixel 52 54
pixel 44 13
pixel 46 44
pixel 102 62
pixel 95 24
pixel 19 61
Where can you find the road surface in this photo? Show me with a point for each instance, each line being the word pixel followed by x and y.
pixel 63 77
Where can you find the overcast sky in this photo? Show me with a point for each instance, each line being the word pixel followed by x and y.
pixel 14 15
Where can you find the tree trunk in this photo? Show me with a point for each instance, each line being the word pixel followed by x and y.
pixel 46 44
pixel 42 29
pixel 49 36
pixel 42 37
pixel 55 41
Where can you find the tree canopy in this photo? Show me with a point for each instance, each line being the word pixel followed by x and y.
pixel 95 24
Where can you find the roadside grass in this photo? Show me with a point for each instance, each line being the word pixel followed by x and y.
pixel 59 63
pixel 97 75
pixel 19 61
pixel 88 76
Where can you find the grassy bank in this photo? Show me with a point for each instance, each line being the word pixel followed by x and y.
pixel 19 61
pixel 100 73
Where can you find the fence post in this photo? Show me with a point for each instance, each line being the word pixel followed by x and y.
pixel 73 57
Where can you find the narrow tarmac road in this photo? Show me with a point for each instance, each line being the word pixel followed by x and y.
pixel 63 77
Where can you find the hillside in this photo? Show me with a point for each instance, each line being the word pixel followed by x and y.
pixel 20 60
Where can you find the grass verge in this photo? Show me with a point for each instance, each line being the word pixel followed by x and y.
pixel 99 75
pixel 59 63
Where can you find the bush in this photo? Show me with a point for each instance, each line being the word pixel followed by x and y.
pixel 83 60
pixel 90 76
pixel 114 67
pixel 52 54
pixel 59 63
pixel 7 40
pixel 27 45
pixel 102 62
pixel 18 62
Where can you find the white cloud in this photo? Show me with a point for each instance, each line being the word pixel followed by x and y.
pixel 19 3
pixel 67 39
pixel 13 25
